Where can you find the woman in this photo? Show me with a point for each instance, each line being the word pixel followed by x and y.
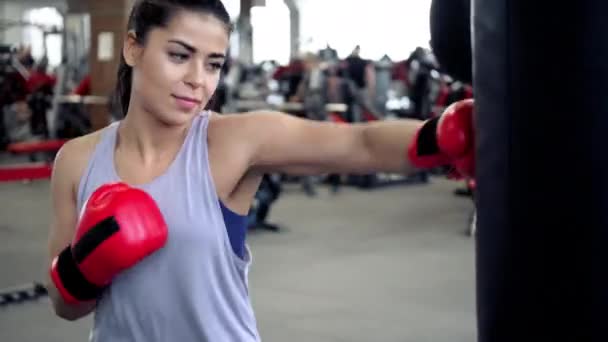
pixel 161 255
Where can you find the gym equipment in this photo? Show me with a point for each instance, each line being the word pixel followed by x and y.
pixel 22 293
pixel 69 115
pixel 36 146
pixel 41 154
pixel 378 180
pixel 267 194
pixel 12 64
pixel 13 86
pixel 287 107
pixel 78 99
pixel 76 48
pixel 542 180
pixel 425 83
pixel 26 172
pixel 36 169
pixel 43 150
pixel 384 69
pixel 53 116
pixel 39 101
pixel 289 77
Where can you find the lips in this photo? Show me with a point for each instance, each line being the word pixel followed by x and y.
pixel 187 99
pixel 186 103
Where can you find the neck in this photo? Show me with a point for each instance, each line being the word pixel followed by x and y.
pixel 150 138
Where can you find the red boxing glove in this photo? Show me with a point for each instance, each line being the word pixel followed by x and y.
pixel 119 227
pixel 447 140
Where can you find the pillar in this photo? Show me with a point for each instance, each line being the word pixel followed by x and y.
pixel 108 28
pixel 294 28
pixel 245 32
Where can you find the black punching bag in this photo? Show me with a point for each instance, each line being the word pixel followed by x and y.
pixel 541 69
pixel 451 37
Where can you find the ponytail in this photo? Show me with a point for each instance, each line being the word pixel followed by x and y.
pixel 122 93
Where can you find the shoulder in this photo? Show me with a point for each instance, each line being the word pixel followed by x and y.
pixel 245 123
pixel 79 149
pixel 247 135
pixel 72 158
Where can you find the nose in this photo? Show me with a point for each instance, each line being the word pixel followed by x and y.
pixel 195 78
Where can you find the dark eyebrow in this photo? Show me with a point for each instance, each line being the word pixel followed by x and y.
pixel 188 47
pixel 192 49
pixel 217 55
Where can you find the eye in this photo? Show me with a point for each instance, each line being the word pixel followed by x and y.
pixel 215 66
pixel 178 57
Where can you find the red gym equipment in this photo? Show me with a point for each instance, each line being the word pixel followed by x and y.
pixel 26 171
pixel 36 146
pixel 34 170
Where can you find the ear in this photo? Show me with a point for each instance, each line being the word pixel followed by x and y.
pixel 131 49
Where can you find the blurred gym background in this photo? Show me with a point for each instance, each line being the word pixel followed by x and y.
pixel 382 257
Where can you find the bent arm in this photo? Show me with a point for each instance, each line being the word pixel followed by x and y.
pixel 63 224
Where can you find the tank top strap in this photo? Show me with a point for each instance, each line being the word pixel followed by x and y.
pixel 200 125
pixel 201 148
pixel 100 163
pixel 194 154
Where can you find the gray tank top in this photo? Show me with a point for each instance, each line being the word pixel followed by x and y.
pixel 193 289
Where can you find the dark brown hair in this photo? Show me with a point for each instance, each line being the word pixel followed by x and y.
pixel 148 14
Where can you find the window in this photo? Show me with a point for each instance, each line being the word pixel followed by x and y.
pixel 271 32
pixel 44 20
pixel 380 27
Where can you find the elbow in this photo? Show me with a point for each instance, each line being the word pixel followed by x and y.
pixel 63 313
pixel 59 307
pixel 66 316
pixel 69 312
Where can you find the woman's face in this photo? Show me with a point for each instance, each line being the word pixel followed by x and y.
pixel 177 70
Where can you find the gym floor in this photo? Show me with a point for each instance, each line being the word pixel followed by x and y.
pixel 392 264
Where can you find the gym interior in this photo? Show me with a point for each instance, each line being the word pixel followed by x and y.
pixel 340 257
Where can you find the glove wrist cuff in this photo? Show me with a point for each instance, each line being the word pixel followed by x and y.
pixel 424 151
pixel 71 283
pixel 426 144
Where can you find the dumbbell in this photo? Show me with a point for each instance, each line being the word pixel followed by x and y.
pixel 22 293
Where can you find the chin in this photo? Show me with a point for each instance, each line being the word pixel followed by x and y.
pixel 177 118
